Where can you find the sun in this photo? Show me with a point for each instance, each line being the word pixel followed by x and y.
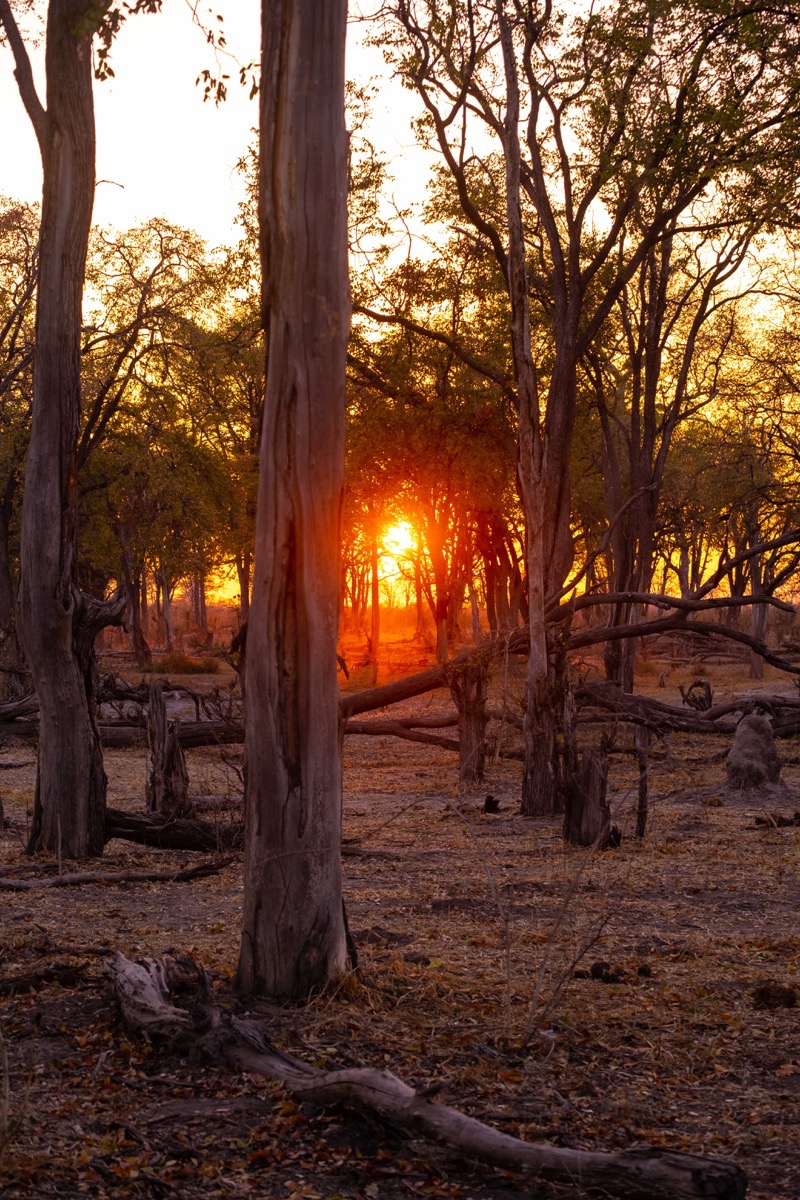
pixel 399 541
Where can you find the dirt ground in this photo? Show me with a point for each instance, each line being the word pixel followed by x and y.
pixel 476 935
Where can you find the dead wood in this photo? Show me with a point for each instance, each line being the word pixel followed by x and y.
pixel 469 683
pixel 776 821
pixel 143 990
pixel 75 878
pixel 698 695
pixel 586 813
pixel 167 785
pixel 26 731
pixel 170 833
pixel 66 974
pixel 25 706
pixel 400 730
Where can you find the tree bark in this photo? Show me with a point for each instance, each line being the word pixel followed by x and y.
pixel 167 787
pixel 133 583
pixel 163 586
pixel 469 688
pixel 586 815
pixel 293 937
pixel 57 628
pixel 375 623
pixel 199 606
pixel 243 575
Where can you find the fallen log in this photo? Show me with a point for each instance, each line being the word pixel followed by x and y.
pixel 143 990
pixel 75 878
pixel 168 833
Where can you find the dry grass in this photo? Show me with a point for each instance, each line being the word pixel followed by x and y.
pixel 454 913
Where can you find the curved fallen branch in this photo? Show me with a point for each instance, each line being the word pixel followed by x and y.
pixel 143 990
pixel 396 729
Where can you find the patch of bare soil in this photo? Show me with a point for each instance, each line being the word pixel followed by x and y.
pixel 477 935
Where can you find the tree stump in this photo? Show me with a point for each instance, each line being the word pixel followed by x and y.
pixel 167 787
pixel 587 816
pixel 468 686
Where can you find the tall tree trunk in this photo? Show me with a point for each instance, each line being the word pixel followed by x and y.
pixel 6 578
pixel 759 616
pixel 57 624
pixel 539 720
pixel 419 631
pixel 199 605
pixel 375 623
pixel 145 605
pixel 243 565
pixel 132 585
pixel 477 635
pixel 293 936
pixel 133 596
pixel 12 663
pixel 166 608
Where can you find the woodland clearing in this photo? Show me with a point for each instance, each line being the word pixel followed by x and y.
pixel 476 935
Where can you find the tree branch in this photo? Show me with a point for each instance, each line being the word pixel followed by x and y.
pixel 24 75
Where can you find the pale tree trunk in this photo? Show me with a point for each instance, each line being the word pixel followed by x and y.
pixel 293 935
pixel 57 624
pixel 539 721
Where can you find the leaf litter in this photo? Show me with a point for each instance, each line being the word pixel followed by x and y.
pixel 477 934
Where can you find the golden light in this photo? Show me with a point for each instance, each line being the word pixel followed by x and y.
pixel 399 541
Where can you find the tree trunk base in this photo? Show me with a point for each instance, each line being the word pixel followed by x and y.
pixel 587 817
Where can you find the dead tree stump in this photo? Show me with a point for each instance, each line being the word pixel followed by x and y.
pixel 167 787
pixel 469 686
pixel 587 817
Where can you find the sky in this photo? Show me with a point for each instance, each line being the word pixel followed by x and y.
pixel 160 150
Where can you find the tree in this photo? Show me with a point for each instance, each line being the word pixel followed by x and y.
pixel 19 241
pixel 56 623
pixel 661 359
pixel 596 113
pixel 293 937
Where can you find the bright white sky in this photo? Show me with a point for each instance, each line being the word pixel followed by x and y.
pixel 164 151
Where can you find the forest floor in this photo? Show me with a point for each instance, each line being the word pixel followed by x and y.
pixel 476 935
